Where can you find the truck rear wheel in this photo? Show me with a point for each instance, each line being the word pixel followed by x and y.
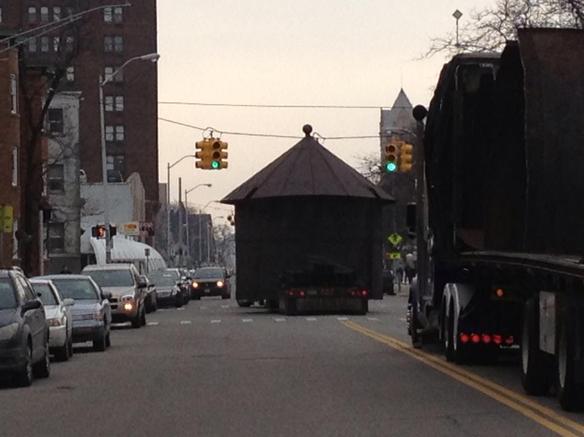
pixel 454 351
pixel 536 366
pixel 570 391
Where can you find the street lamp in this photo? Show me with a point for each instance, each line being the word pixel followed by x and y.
pixel 187 216
pixel 153 57
pixel 168 167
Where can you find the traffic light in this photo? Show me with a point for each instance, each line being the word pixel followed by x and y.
pixel 99 231
pixel 406 158
pixel 391 157
pixel 211 154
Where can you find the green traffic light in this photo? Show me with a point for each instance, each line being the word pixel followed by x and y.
pixel 215 165
pixel 390 167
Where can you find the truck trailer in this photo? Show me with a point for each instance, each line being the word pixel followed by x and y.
pixel 499 212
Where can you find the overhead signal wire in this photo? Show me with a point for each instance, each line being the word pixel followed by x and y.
pixel 281 106
pixel 265 135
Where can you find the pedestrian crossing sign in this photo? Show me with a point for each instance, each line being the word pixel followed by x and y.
pixel 395 239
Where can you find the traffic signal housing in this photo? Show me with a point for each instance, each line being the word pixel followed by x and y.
pixel 406 158
pixel 391 157
pixel 211 154
pixel 99 231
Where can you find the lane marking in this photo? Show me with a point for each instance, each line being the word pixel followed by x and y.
pixel 342 319
pixel 373 319
pixel 185 322
pixel 215 321
pixel 279 320
pixel 153 323
pixel 224 306
pixel 247 320
pixel 520 403
pixel 311 319
pixel 180 309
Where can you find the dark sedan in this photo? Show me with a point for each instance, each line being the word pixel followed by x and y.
pixel 24 332
pixel 168 288
pixel 210 281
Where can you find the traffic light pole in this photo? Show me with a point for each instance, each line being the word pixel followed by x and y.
pixel 108 240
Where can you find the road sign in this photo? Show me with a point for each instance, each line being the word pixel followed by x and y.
pixel 395 239
pixel 131 229
pixel 393 255
pixel 6 219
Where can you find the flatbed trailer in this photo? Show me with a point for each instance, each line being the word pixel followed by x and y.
pixel 500 241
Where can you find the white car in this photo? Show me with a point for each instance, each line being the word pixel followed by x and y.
pixel 58 314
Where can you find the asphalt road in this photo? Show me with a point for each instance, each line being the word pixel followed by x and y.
pixel 213 369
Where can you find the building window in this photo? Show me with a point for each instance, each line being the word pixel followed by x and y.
pixel 56 178
pixel 56 13
pixel 56 237
pixel 69 43
pixel 32 14
pixel 119 77
pixel 113 44
pixel 32 45
pixel 13 94
pixel 56 42
pixel 44 44
pixel 115 133
pixel 114 103
pixel 70 74
pixel 120 133
pixel 55 120
pixel 115 168
pixel 113 15
pixel 44 14
pixel 14 166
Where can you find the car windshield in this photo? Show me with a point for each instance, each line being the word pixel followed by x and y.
pixel 46 294
pixel 163 279
pixel 209 273
pixel 112 278
pixel 77 289
pixel 7 297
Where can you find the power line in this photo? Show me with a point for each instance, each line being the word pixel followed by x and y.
pixel 265 135
pixel 251 105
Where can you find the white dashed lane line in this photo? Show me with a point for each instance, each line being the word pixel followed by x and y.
pixel 247 320
pixel 215 322
pixel 153 323
pixel 342 319
pixel 185 322
pixel 373 319
pixel 180 309
pixel 311 319
pixel 279 320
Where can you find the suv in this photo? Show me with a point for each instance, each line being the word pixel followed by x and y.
pixel 24 332
pixel 127 288
pixel 210 281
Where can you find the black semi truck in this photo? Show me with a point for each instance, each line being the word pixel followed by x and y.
pixel 499 214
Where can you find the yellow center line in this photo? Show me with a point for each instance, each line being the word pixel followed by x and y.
pixel 554 421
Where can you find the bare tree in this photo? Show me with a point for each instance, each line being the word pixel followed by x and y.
pixel 370 167
pixel 488 29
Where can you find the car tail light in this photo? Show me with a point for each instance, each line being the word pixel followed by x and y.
pixel 464 338
pixel 475 338
pixel 497 339
pixel 509 340
pixel 364 293
pixel 486 338
pixel 301 293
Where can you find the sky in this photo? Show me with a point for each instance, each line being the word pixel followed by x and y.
pixel 288 52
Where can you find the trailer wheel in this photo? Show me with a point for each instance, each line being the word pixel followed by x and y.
pixel 570 392
pixel 536 366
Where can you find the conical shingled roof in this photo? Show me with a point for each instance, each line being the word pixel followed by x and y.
pixel 307 169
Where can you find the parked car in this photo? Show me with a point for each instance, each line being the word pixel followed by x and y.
pixel 151 300
pixel 168 288
pixel 91 312
pixel 127 288
pixel 59 318
pixel 24 331
pixel 210 281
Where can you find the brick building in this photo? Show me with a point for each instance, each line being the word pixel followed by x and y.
pixel 90 48
pixel 9 151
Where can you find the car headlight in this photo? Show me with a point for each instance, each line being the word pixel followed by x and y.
pixel 8 331
pixel 128 306
pixel 220 284
pixel 195 284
